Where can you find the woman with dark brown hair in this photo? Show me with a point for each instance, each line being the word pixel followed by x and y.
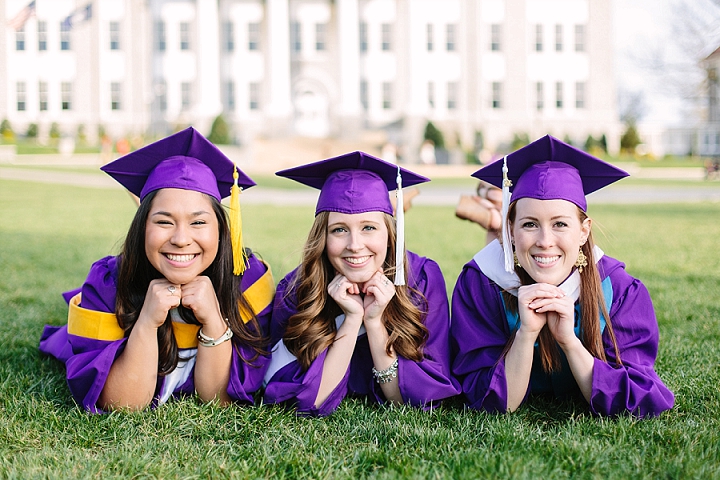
pixel 340 325
pixel 547 311
pixel 183 309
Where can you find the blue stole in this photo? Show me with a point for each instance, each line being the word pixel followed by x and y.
pixel 560 382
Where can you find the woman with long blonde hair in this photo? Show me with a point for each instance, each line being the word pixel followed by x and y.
pixel 547 311
pixel 360 315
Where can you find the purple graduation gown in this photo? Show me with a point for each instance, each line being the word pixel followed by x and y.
pixel 480 331
pixel 422 383
pixel 88 360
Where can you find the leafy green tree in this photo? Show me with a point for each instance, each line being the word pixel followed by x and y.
pixel 519 140
pixel 434 135
pixel 630 139
pixel 219 132
pixel 54 131
pixel 602 143
pixel 6 131
pixel 32 131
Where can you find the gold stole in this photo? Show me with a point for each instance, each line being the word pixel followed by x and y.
pixel 104 326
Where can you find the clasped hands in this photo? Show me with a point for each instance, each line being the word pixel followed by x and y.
pixel 198 295
pixel 367 303
pixel 543 304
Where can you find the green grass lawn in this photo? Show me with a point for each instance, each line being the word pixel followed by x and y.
pixel 50 234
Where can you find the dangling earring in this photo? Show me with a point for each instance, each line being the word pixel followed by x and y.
pixel 581 261
pixel 515 259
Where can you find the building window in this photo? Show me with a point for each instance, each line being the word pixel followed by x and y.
pixel 253 37
pixel 538 38
pixel 295 37
pixel 185 95
pixel 114 35
pixel 42 36
pixel 495 37
pixel 43 96
pixel 230 96
pixel 115 96
pixel 387 95
pixel 579 38
pixel 20 89
pixel 64 36
pixel 559 95
pixel 162 95
pixel 496 95
pixel 65 96
pixel 320 36
pixel 160 42
pixel 452 94
pixel 363 37
pixel 580 95
pixel 558 38
pixel 431 94
pixel 228 36
pixel 539 96
pixel 184 36
pixel 386 37
pixel 450 40
pixel 20 39
pixel 254 95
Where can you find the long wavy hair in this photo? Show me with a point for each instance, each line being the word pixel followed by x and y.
pixel 592 305
pixel 312 329
pixel 136 272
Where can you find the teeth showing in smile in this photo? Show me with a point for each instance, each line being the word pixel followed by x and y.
pixel 546 260
pixel 357 260
pixel 179 258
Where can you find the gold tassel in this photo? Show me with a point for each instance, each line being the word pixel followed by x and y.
pixel 239 255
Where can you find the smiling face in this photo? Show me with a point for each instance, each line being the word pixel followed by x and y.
pixel 547 235
pixel 181 234
pixel 357 244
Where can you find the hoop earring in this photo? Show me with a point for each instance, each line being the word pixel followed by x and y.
pixel 581 261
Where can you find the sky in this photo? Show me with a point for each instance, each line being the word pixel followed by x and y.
pixel 648 56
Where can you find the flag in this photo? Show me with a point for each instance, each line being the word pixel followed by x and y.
pixel 77 16
pixel 18 22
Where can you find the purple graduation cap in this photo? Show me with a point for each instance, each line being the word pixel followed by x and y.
pixel 188 161
pixel 357 182
pixel 547 169
pixel 184 160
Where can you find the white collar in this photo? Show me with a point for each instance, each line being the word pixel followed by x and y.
pixel 490 260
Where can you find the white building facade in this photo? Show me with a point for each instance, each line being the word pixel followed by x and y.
pixel 317 68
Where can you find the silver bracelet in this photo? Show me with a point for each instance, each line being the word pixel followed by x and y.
pixel 206 341
pixel 386 376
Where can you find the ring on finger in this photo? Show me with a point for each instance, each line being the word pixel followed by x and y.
pixel 171 289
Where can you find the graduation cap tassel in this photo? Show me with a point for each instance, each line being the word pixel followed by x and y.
pixel 400 237
pixel 507 242
pixel 239 255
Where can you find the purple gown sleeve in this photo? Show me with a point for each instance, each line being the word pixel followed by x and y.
pixel 633 387
pixel 427 382
pixel 246 379
pixel 479 334
pixel 88 361
pixel 291 384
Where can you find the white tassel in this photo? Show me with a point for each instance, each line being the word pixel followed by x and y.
pixel 400 236
pixel 507 242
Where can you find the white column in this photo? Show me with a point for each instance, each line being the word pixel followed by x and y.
pixel 348 32
pixel 208 62
pixel 278 59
